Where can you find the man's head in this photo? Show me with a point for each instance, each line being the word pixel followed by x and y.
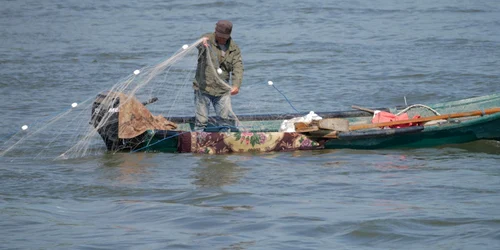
pixel 223 30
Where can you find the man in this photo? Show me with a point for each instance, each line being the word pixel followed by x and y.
pixel 219 61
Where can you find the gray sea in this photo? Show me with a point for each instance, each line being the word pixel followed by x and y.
pixel 324 56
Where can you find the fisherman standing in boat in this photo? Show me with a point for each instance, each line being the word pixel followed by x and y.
pixel 219 61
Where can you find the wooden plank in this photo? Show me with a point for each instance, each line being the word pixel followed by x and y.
pixel 336 124
pixel 302 129
pixel 426 119
pixel 301 125
pixel 331 135
pixel 323 133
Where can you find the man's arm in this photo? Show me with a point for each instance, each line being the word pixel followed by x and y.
pixel 237 73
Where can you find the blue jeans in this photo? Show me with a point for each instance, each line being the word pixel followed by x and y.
pixel 222 107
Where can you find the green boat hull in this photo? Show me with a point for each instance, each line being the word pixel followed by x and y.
pixel 262 133
pixel 463 132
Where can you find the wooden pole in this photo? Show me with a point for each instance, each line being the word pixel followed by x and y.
pixel 362 108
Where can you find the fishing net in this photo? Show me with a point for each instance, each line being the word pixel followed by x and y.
pixel 75 132
pixel 154 98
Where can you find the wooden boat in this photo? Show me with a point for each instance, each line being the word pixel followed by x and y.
pixel 437 124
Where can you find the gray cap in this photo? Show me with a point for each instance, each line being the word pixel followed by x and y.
pixel 223 28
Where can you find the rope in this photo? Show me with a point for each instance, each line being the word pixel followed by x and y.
pixel 284 97
pixel 418 105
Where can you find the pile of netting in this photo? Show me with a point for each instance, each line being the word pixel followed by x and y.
pixel 74 133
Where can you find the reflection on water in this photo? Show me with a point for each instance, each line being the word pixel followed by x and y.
pixel 126 168
pixel 395 162
pixel 482 146
pixel 217 171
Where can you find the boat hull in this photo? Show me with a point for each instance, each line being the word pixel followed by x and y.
pixel 487 128
pixel 221 143
pixel 261 132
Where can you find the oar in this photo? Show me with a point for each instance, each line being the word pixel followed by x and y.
pixel 425 119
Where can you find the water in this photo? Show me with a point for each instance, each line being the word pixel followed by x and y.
pixel 323 56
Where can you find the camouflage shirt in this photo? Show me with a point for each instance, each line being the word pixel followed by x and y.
pixel 207 79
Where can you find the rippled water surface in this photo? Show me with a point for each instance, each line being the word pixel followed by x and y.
pixel 323 55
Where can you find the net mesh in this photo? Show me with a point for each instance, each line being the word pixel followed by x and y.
pixel 74 133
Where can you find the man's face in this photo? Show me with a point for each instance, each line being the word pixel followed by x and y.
pixel 221 40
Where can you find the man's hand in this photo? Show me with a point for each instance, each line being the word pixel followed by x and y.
pixel 204 41
pixel 235 90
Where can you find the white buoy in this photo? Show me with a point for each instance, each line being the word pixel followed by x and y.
pixel 219 70
pixel 185 46
pixel 24 127
pixel 74 105
pixel 136 72
pixel 270 83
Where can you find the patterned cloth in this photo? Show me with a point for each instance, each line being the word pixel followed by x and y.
pixel 240 142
